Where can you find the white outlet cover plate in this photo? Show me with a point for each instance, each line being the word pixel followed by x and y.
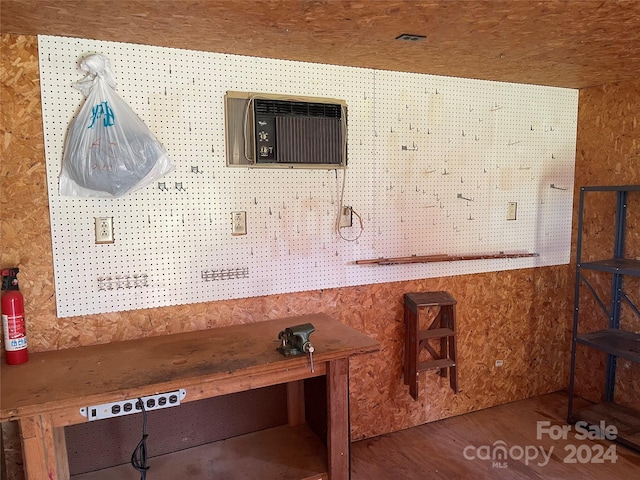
pixel 104 230
pixel 239 223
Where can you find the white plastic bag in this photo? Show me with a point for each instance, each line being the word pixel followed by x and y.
pixel 109 151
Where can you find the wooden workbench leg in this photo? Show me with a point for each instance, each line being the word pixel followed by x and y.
pixel 44 449
pixel 3 461
pixel 338 430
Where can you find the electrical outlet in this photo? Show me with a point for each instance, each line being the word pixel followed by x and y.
pixel 346 217
pixel 104 229
pixel 499 363
pixel 512 209
pixel 238 223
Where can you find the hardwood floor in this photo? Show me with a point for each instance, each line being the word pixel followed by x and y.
pixel 450 449
pixel 456 448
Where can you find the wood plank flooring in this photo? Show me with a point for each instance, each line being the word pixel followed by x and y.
pixel 429 452
pixel 437 450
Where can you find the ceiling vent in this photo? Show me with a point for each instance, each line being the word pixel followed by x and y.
pixel 408 37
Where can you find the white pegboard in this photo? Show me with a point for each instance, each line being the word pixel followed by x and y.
pixel 433 163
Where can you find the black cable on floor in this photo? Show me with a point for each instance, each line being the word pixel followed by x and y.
pixel 139 455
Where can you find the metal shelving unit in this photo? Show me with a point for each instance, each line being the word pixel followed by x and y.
pixel 613 341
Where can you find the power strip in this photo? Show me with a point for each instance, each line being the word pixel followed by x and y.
pixel 127 407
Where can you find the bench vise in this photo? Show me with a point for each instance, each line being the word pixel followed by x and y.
pixel 295 341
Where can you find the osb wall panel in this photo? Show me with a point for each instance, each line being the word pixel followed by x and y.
pixel 512 41
pixel 529 334
pixel 519 316
pixel 608 153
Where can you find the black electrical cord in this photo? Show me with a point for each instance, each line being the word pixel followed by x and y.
pixel 139 455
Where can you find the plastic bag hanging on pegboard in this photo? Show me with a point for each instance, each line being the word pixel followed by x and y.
pixel 109 151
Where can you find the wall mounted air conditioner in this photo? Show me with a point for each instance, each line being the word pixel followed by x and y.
pixel 279 131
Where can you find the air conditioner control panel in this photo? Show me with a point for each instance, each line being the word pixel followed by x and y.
pixel 266 138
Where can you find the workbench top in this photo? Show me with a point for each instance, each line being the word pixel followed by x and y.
pixel 199 360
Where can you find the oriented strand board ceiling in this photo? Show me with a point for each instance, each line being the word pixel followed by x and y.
pixel 573 44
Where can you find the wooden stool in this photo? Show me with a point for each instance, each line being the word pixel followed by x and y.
pixel 442 327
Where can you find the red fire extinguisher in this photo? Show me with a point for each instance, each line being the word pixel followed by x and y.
pixel 15 334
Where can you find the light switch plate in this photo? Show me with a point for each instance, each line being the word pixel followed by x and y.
pixel 512 210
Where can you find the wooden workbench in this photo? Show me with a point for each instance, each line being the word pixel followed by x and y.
pixel 46 394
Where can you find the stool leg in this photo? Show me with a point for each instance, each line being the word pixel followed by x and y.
pixel 444 347
pixel 444 321
pixel 453 377
pixel 411 353
pixel 407 348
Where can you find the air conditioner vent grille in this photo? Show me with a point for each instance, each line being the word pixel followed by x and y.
pixel 305 109
pixel 309 140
